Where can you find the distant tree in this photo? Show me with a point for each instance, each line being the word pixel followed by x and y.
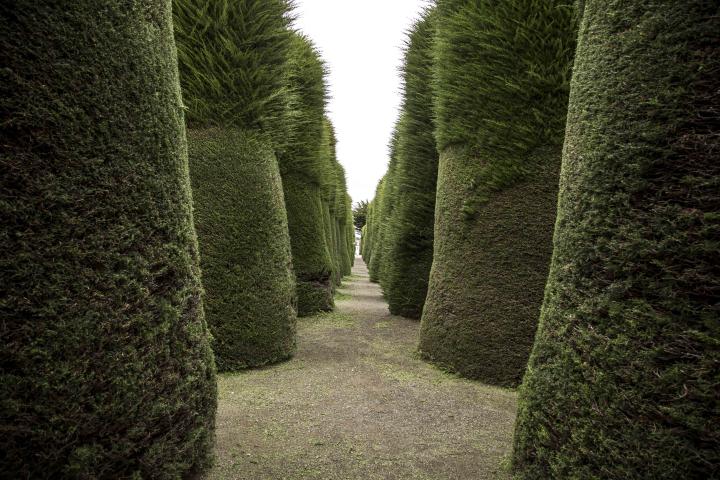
pixel 360 214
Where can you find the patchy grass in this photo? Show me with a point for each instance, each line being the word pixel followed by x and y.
pixel 356 402
pixel 341 295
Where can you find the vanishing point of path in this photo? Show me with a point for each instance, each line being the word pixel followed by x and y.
pixel 356 403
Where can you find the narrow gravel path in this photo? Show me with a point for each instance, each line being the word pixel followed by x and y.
pixel 356 403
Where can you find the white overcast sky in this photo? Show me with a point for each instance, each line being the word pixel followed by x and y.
pixel 361 42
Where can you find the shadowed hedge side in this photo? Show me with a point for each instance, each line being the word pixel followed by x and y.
pixel 623 378
pixel 336 203
pixel 105 364
pixel 246 271
pixel 409 235
pixel 233 69
pixel 301 166
pixel 383 212
pixel 502 72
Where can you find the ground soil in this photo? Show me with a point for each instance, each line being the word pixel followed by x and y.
pixel 357 403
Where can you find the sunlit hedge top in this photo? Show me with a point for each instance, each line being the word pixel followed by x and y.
pixel 233 61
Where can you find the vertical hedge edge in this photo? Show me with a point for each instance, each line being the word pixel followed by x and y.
pixel 106 367
pixel 623 378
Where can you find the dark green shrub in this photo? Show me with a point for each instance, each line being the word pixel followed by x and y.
pixel 343 215
pixel 360 214
pixel 249 284
pixel 502 85
pixel 623 378
pixel 233 69
pixel 371 226
pixel 410 231
pixel 301 166
pixel 105 365
pixel 376 226
pixel 363 240
pixel 334 196
pixel 349 232
pixel 384 200
pixel 234 63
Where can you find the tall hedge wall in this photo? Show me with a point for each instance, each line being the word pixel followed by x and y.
pixel 250 287
pixel 301 166
pixel 623 379
pixel 409 235
pixel 384 200
pixel 337 213
pixel 234 62
pixel 105 365
pixel 502 73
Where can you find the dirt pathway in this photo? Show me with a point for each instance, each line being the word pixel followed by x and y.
pixel 357 403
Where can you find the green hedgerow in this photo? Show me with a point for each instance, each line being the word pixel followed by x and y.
pixel 501 80
pixel 409 235
pixel 234 64
pixel 243 232
pixel 334 193
pixel 301 166
pixel 623 378
pixel 233 59
pixel 106 367
pixel 384 203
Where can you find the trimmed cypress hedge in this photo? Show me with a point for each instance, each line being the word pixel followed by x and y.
pixel 410 231
pixel 623 379
pixel 335 205
pixel 502 73
pixel 377 224
pixel 349 232
pixel 343 214
pixel 384 205
pixel 234 63
pixel 105 365
pixel 301 166
pixel 249 284
pixel 363 237
pixel 233 69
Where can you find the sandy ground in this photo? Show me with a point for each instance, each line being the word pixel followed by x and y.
pixel 357 403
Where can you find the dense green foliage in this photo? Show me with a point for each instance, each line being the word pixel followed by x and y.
pixel 623 378
pixel 501 77
pixel 337 212
pixel 302 169
pixel 360 214
pixel 409 235
pixel 250 287
pixel 105 365
pixel 234 64
pixel 233 58
pixel 383 211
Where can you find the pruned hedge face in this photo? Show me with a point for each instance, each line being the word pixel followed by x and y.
pixel 106 367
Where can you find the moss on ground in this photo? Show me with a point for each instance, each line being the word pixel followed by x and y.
pixel 106 368
pixel 242 228
pixel 502 73
pixel 623 378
